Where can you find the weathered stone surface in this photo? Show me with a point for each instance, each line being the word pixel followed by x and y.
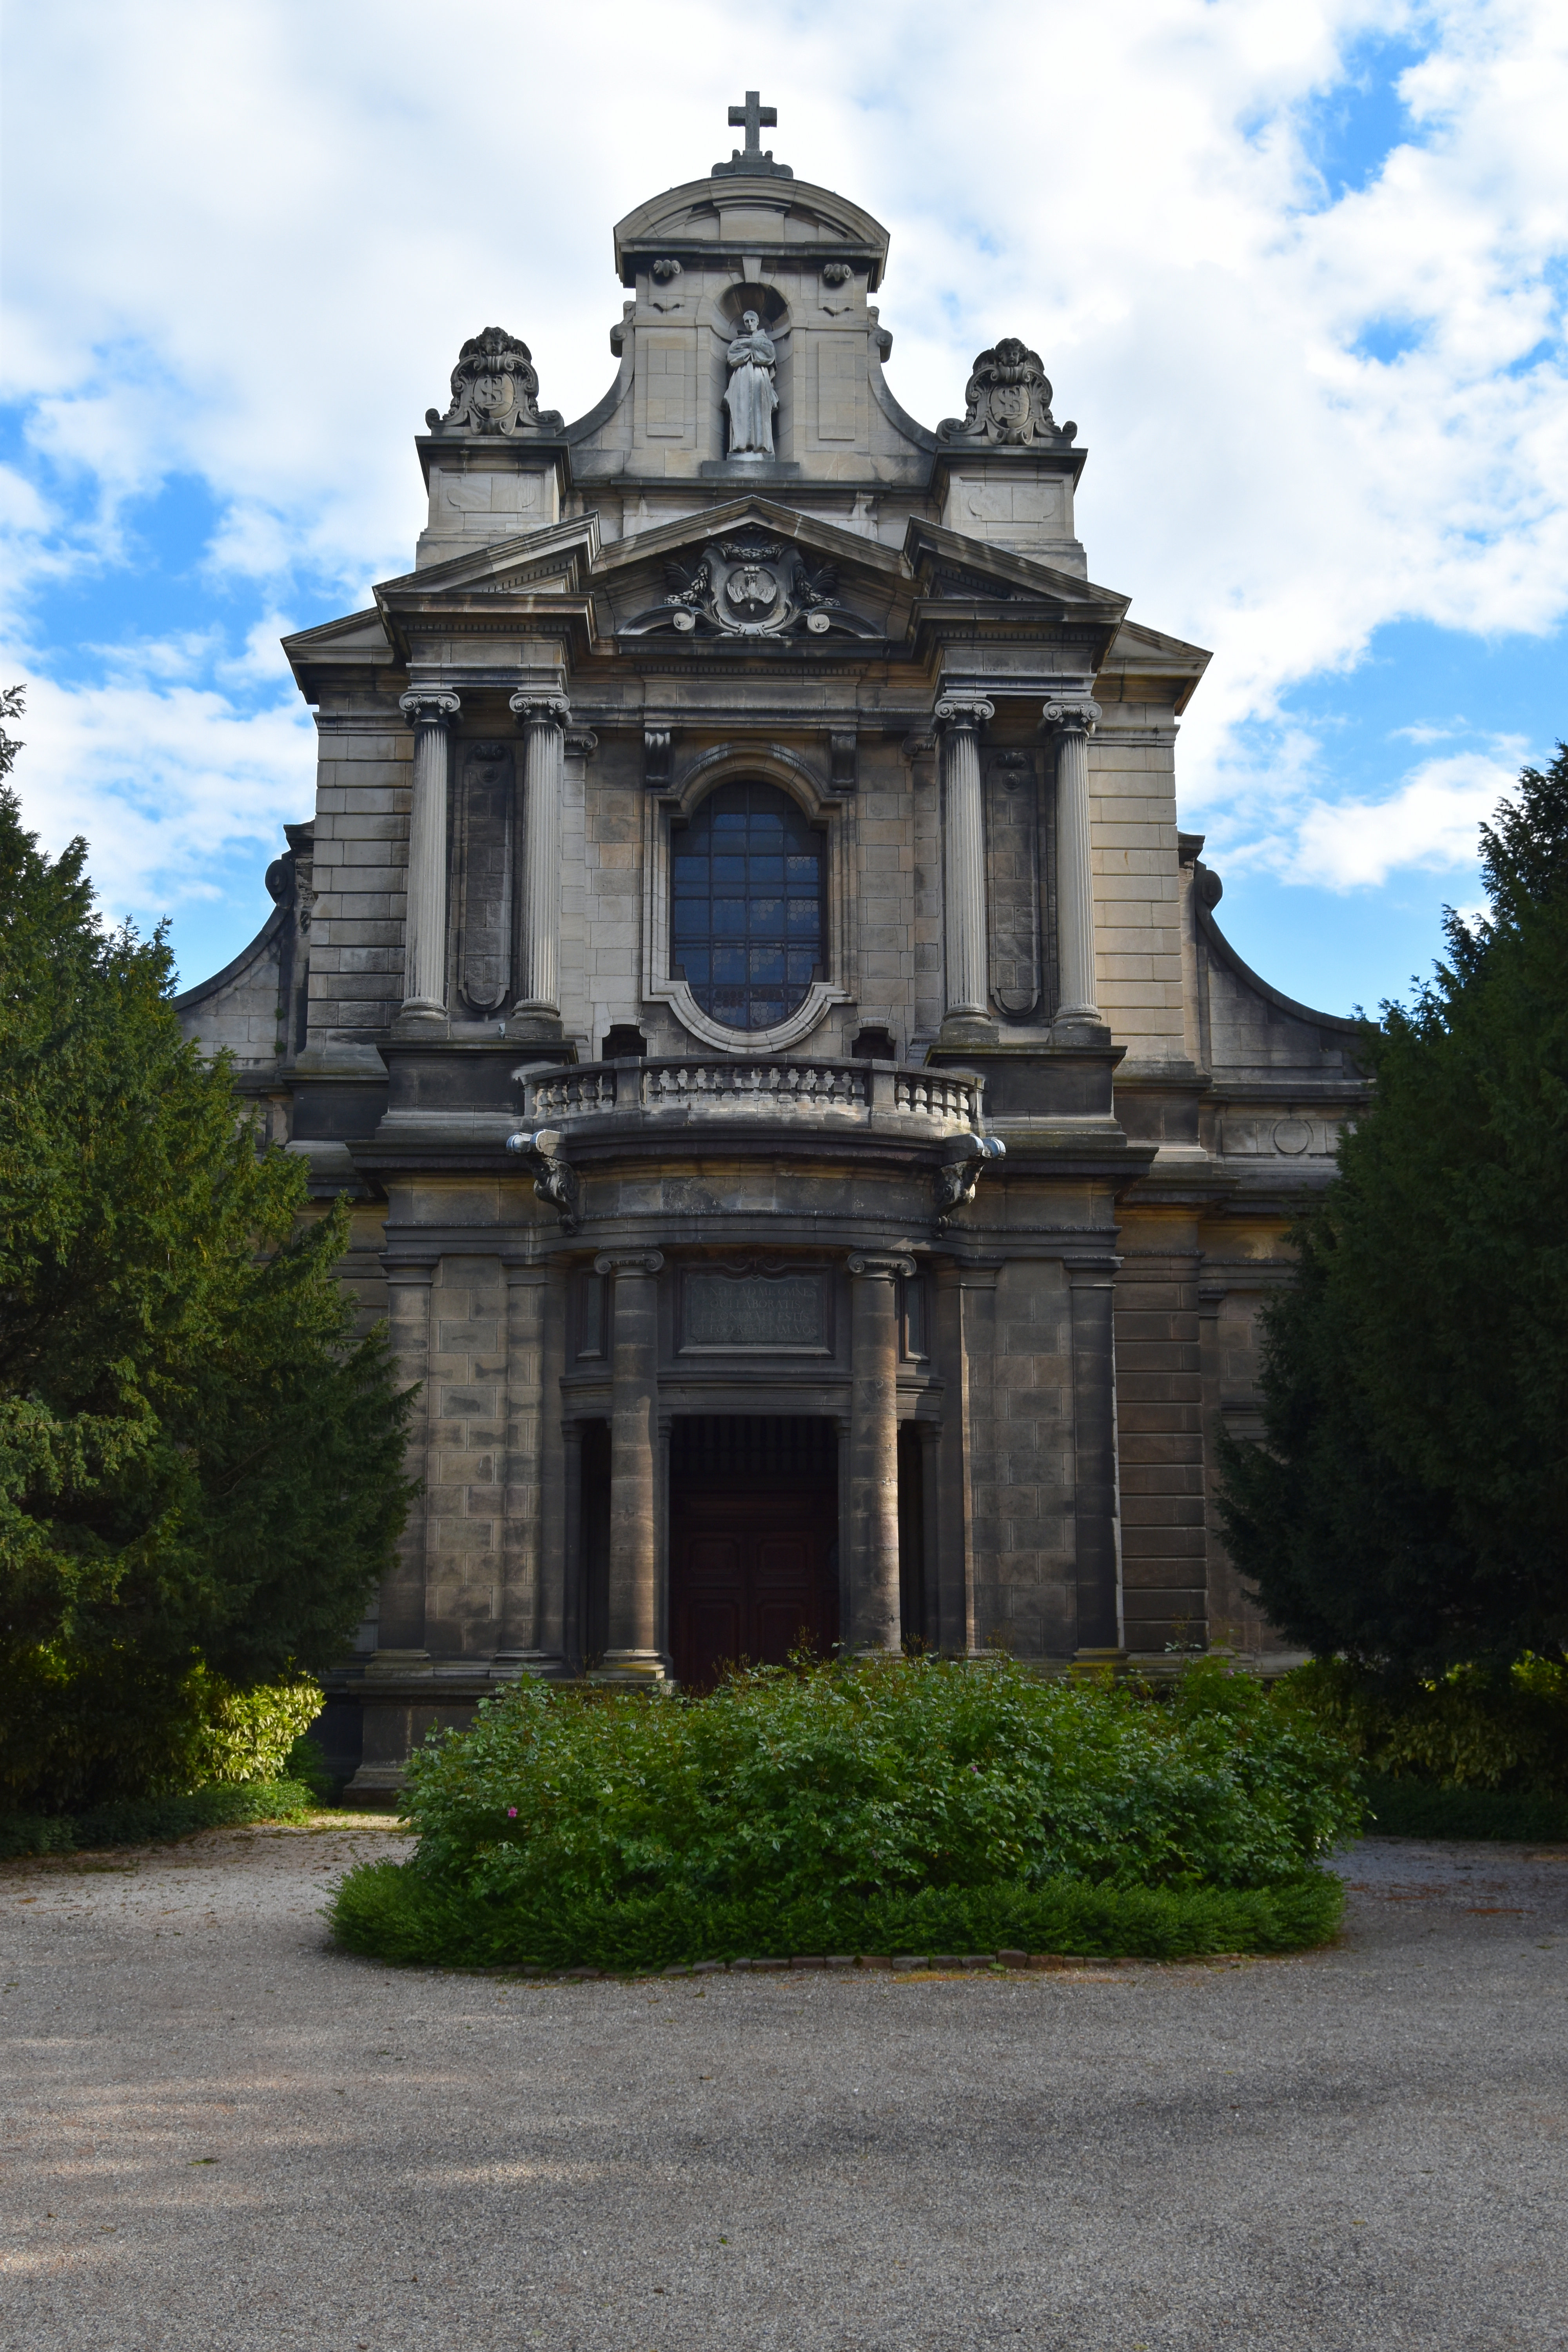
pixel 895 632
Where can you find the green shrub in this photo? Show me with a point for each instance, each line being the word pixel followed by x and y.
pixel 100 1727
pixel 1472 1728
pixel 916 1802
pixel 146 1820
pixel 387 1910
pixel 1419 1808
pixel 306 1761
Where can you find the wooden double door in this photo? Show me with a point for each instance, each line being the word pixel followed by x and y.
pixel 753 1572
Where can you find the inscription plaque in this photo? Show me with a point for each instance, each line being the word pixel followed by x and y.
pixel 751 1312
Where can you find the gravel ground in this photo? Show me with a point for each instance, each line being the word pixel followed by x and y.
pixel 220 2134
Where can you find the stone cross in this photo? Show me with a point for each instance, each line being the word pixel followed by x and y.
pixel 753 160
pixel 756 118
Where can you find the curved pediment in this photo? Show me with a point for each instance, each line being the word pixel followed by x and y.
pixel 736 216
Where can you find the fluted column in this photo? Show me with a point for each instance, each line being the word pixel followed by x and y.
pixel 874 1616
pixel 542 718
pixel 963 856
pixel 430 714
pixel 632 1653
pixel 1074 723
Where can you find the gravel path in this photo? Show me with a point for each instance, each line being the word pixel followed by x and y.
pixel 220 2134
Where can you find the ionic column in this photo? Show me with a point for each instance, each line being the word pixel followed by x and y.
pixel 632 1652
pixel 874 1620
pixel 1074 723
pixel 963 856
pixel 542 718
pixel 430 714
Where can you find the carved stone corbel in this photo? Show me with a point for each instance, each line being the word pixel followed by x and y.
pixel 954 1183
pixel 841 745
pixel 656 758
pixel 555 1179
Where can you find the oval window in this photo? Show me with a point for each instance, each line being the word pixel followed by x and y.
pixel 746 913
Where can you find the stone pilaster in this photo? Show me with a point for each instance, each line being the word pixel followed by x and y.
pixel 542 719
pixel 400 1631
pixel 522 1596
pixel 1098 1530
pixel 874 1621
pixel 1073 723
pixel 430 714
pixel 632 1653
pixel 960 722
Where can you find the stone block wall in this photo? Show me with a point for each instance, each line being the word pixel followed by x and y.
pixel 363 794
pixel 1138 938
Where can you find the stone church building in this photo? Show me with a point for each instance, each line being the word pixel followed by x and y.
pixel 818 1153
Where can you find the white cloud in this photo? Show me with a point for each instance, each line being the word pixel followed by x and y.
pixel 1428 823
pixel 164 781
pixel 250 239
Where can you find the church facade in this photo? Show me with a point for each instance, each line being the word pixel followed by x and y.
pixel 818 1154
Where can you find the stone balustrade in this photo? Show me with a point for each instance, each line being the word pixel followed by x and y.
pixel 814 1092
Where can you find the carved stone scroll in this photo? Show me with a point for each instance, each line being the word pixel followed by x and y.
pixel 495 389
pixel 1007 401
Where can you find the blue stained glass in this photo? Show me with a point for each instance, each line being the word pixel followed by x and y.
pixel 748 845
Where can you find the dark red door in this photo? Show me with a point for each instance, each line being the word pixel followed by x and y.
pixel 751 1575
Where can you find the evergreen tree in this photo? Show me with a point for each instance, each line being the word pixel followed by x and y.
pixel 201 1467
pixel 1409 1502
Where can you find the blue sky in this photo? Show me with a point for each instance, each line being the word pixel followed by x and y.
pixel 1298 270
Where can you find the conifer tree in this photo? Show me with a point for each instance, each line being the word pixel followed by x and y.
pixel 201 1466
pixel 1409 1502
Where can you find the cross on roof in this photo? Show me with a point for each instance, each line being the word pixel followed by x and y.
pixel 756 118
pixel 753 161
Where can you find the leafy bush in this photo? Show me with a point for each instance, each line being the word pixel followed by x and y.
pixel 1472 1728
pixel 923 1798
pixel 147 1820
pixel 1419 1808
pixel 384 1909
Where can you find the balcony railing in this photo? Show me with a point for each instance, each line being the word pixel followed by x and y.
pixel 813 1093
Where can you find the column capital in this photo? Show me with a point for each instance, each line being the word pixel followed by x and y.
pixel 880 1268
pixel 429 706
pixel 628 1262
pixel 535 709
pixel 1079 716
pixel 963 710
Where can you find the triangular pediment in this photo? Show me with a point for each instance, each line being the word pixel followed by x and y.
pixel 850 550
pixel 557 561
pixel 748 573
pixel 948 567
pixel 1148 666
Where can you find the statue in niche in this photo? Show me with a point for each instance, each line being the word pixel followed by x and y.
pixel 751 397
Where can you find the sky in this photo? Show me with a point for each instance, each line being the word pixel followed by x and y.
pixel 1297 268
